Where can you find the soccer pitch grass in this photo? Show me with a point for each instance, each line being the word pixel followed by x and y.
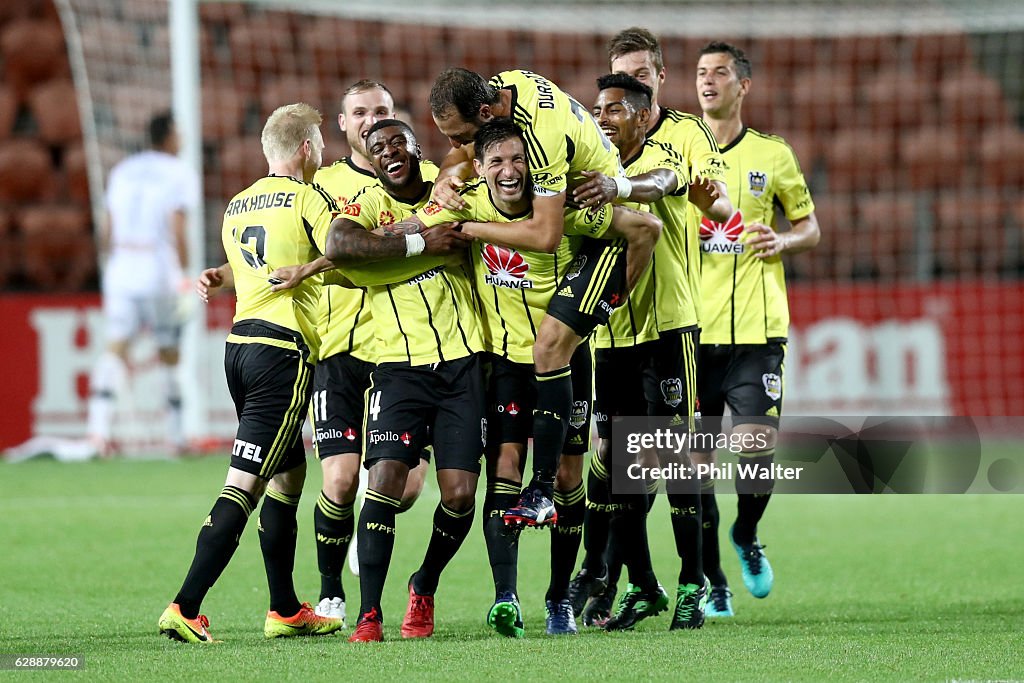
pixel 867 588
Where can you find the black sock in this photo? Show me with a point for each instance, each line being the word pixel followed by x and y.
pixel 628 537
pixel 334 525
pixel 652 495
pixel 278 533
pixel 595 520
pixel 709 536
pixel 550 424
pixel 450 529
pixel 565 540
pixel 752 497
pixel 502 548
pixel 376 542
pixel 218 538
pixel 686 527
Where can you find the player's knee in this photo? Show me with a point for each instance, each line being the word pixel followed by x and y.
pixel 755 437
pixel 459 496
pixel 554 346
pixel 702 457
pixel 341 479
pixel 291 482
pixel 509 462
pixel 388 477
pixel 570 473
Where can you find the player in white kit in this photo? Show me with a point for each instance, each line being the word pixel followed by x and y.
pixel 143 241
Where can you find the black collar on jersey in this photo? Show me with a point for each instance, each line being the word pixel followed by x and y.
pixel 350 164
pixel 510 216
pixel 427 186
pixel 661 120
pixel 735 142
pixel 286 177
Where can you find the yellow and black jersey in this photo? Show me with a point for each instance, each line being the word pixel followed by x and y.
pixel 744 298
pixel 663 300
pixel 424 307
pixel 345 318
pixel 277 221
pixel 514 285
pixel 562 137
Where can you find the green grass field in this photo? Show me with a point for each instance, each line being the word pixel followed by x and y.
pixel 867 588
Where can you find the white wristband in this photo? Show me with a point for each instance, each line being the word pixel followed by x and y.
pixel 414 244
pixel 623 185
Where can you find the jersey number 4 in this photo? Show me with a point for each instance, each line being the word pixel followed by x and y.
pixel 374 406
pixel 253 245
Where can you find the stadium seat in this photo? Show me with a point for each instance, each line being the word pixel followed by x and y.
pixel 33 51
pixel 99 38
pixel 262 44
pixel 55 109
pixel 241 162
pixel 931 157
pixel 886 224
pixel 898 97
pixel 807 149
pixel 57 250
pixel 290 89
pixel 334 54
pixel 1001 152
pixel 135 103
pixel 76 172
pixel 224 109
pixel 824 99
pixel 412 49
pixel 26 172
pixel 765 106
pixel 8 251
pixel 935 55
pixel 24 9
pixel 867 55
pixel 833 258
pixel 972 101
pixel 224 12
pixel 970 236
pixel 861 159
pixel 8 111
pixel 784 56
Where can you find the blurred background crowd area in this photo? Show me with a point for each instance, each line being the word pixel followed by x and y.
pixel 912 142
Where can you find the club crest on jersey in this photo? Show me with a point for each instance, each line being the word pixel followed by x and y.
pixel 772 385
pixel 352 209
pixel 578 414
pixel 672 391
pixel 432 208
pixel 758 182
pixel 385 218
pixel 721 238
pixel 576 267
pixel 506 267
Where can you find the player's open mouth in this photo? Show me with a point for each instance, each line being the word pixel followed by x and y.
pixel 609 131
pixel 510 184
pixel 709 94
pixel 394 168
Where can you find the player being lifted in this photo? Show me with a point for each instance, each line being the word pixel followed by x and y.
pixel 646 356
pixel 268 362
pixel 637 53
pixel 428 383
pixel 745 311
pixel 515 286
pixel 562 141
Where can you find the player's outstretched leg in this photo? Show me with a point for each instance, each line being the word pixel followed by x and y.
pixel 751 502
pixel 376 538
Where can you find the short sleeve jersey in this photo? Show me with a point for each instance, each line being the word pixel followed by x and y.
pixel 424 307
pixel 744 298
pixel 663 299
pixel 562 137
pixel 345 317
pixel 514 285
pixel 277 221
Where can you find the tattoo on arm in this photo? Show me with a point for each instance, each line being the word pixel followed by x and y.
pixel 349 243
pixel 402 228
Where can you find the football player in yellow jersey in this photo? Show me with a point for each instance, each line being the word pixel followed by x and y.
pixel 745 312
pixel 428 383
pixel 347 358
pixel 646 358
pixel 563 140
pixel 515 286
pixel 268 362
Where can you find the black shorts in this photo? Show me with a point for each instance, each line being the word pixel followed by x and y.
pixel 409 407
pixel 270 380
pixel 339 392
pixel 592 287
pixel 512 396
pixel 747 377
pixel 656 378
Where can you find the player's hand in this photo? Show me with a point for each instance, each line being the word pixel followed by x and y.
pixel 445 239
pixel 765 242
pixel 703 192
pixel 286 277
pixel 446 193
pixel 209 283
pixel 597 191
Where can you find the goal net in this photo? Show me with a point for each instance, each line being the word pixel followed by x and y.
pixel 907 123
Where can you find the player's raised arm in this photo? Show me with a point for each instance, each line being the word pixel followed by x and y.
pixel 541 232
pixel 804 235
pixel 711 197
pixel 350 243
